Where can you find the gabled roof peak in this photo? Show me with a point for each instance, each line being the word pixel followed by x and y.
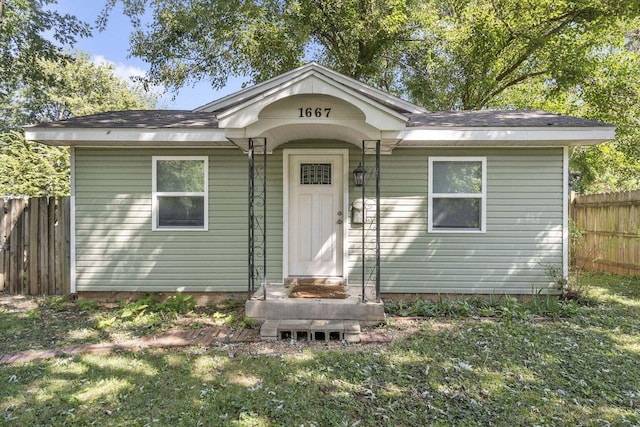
pixel 308 70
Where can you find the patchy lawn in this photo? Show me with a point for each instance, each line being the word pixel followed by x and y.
pixel 581 370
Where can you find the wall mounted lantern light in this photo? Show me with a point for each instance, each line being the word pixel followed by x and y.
pixel 358 175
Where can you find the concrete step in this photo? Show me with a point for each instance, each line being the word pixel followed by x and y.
pixel 278 306
pixel 311 330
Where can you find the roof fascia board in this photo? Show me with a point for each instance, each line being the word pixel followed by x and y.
pixel 501 135
pixel 116 136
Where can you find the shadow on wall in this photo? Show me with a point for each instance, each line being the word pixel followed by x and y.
pixel 511 257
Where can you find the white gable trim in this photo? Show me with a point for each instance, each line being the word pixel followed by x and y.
pixel 376 114
pixel 316 69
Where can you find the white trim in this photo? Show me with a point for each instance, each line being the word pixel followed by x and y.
pixel 155 194
pixel 565 212
pixel 286 154
pixel 72 221
pixel 159 147
pixel 120 136
pixel 533 136
pixel 311 84
pixel 482 196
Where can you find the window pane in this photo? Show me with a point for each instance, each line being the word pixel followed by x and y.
pixel 315 173
pixel 456 213
pixel 181 211
pixel 180 175
pixel 457 177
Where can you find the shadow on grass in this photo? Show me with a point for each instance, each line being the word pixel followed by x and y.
pixel 578 371
pixel 475 373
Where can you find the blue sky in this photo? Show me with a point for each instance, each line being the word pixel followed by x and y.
pixel 112 46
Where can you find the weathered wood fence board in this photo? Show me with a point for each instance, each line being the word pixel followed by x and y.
pixel 34 246
pixel 607 232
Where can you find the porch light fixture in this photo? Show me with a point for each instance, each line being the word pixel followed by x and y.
pixel 358 175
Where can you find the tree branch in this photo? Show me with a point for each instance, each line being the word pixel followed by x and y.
pixel 509 84
pixel 540 41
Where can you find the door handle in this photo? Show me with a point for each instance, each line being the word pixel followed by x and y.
pixel 339 221
pixel 339 213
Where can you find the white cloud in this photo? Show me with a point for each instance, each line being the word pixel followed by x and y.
pixel 122 70
pixel 126 72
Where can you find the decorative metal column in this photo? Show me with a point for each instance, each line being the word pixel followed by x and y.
pixel 371 238
pixel 257 216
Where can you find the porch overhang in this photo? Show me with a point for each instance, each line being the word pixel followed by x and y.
pixel 352 133
pixel 312 106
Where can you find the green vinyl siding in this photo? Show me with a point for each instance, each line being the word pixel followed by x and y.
pixel 115 247
pixel 524 226
pixel 116 250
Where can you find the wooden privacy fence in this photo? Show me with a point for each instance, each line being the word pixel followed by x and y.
pixel 606 232
pixel 34 246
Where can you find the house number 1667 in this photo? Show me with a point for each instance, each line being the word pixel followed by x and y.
pixel 317 112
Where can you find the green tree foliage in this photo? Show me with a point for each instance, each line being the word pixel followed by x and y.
pixel 471 51
pixel 190 40
pixel 74 86
pixel 611 93
pixel 31 169
pixel 32 31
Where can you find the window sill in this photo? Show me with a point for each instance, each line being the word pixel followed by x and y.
pixel 456 231
pixel 179 229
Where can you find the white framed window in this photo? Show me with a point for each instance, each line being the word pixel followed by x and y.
pixel 180 193
pixel 457 194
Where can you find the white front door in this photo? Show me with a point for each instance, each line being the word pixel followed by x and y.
pixel 315 220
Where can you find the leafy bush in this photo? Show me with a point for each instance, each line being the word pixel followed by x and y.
pixel 505 307
pixel 56 303
pixel 87 305
pixel 248 322
pixel 178 304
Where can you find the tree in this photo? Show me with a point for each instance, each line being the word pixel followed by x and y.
pixel 191 40
pixel 74 87
pixel 443 54
pixel 611 94
pixel 31 33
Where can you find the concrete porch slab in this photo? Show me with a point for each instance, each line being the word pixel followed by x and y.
pixel 278 306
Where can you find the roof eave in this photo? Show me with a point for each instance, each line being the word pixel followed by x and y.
pixel 495 136
pixel 126 136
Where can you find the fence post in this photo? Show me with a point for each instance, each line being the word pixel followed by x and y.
pixel 51 246
pixel 32 238
pixel 4 246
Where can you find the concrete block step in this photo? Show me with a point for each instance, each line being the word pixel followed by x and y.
pixel 311 330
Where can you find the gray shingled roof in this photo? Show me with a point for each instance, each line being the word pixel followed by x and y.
pixel 143 119
pixel 150 119
pixel 497 118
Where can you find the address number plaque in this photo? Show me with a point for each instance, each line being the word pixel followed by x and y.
pixel 316 112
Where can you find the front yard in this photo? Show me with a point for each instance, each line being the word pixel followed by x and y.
pixel 506 370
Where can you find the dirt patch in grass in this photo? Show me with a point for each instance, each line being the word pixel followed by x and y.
pixel 44 323
pixel 17 304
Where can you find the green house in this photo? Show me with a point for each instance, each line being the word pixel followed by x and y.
pixel 314 175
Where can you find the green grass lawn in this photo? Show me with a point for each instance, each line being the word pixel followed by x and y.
pixel 580 370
